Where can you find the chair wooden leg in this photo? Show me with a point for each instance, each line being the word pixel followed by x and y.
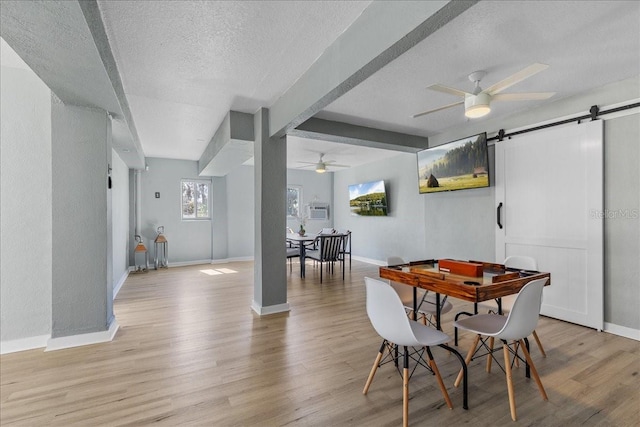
pixel 374 368
pixel 405 390
pixel 434 368
pixel 535 336
pixel 507 368
pixel 534 371
pixel 490 355
pixel 472 349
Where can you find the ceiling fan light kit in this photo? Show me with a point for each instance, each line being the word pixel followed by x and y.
pixel 476 106
pixel 478 102
pixel 322 166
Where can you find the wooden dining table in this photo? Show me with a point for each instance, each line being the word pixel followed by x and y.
pixel 492 281
pixel 496 281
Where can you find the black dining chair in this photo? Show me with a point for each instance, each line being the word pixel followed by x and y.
pixel 329 249
pixel 346 249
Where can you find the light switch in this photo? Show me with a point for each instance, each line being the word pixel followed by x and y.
pixel 157 194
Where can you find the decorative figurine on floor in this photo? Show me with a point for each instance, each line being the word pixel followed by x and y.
pixel 140 249
pixel 161 259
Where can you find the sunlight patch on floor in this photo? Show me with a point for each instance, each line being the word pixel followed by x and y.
pixel 212 272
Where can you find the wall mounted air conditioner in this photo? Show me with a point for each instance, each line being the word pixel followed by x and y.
pixel 318 210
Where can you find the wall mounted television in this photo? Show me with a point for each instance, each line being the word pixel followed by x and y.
pixel 456 165
pixel 368 199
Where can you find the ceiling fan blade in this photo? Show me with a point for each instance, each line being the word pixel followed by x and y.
pixel 339 166
pixel 438 109
pixel 447 89
pixel 522 96
pixel 306 166
pixel 516 78
pixel 308 163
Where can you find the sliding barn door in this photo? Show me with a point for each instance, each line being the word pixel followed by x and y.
pixel 549 205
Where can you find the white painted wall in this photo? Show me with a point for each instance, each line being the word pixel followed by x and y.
pixel 120 220
pixel 25 208
pixel 402 232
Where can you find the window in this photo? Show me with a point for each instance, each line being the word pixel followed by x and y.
pixel 195 199
pixel 294 200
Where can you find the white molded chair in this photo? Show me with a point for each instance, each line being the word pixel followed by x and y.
pixel 426 304
pixel 515 328
pixel 389 319
pixel 522 263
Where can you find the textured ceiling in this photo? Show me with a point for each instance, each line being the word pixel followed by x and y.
pixel 185 64
pixel 585 44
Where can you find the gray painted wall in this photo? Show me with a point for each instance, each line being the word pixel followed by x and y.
pixel 315 187
pixel 120 217
pixel 622 222
pixel 270 178
pixel 219 226
pixel 82 291
pixel 461 224
pixel 25 208
pixel 240 212
pixel 402 232
pixel 188 241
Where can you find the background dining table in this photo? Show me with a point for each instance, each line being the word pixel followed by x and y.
pixel 302 241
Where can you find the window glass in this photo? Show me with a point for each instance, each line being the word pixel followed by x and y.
pixel 294 200
pixel 195 199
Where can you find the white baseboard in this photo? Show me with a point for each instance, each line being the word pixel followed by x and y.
pixel 222 261
pixel 370 261
pixel 187 263
pixel 24 344
pixel 622 331
pixel 272 309
pixel 83 339
pixel 176 264
pixel 118 285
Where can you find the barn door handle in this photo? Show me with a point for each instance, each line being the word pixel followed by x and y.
pixel 498 214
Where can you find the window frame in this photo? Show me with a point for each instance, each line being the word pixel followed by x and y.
pixel 298 189
pixel 196 181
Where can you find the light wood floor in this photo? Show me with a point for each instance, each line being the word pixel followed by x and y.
pixel 190 351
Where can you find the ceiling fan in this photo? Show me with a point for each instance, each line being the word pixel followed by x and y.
pixel 477 103
pixel 321 165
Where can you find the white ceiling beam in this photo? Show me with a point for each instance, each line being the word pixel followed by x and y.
pixel 382 33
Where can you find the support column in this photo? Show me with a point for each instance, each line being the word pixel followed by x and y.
pixel 82 293
pixel 270 169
